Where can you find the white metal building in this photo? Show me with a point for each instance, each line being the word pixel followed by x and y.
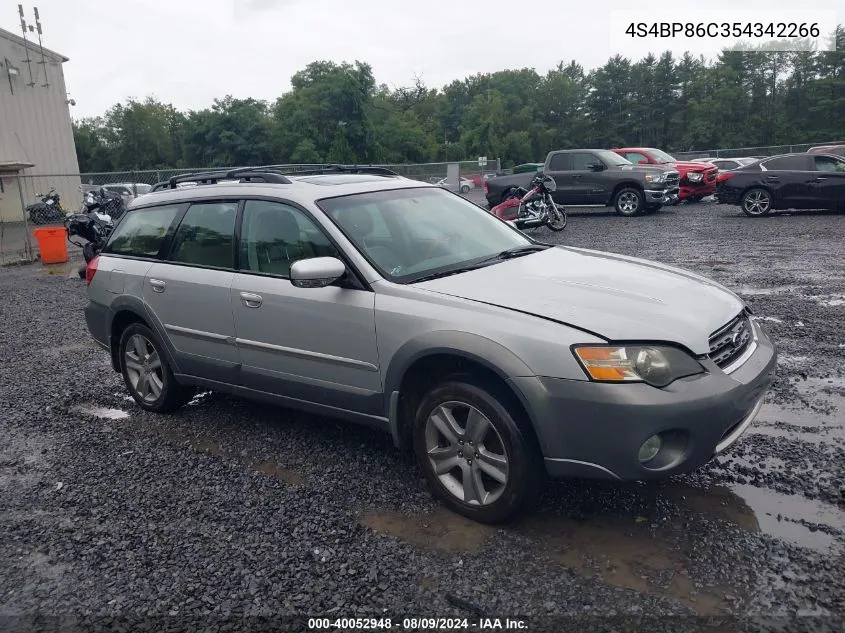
pixel 36 133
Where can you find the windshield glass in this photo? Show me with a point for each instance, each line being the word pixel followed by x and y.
pixel 408 234
pixel 612 158
pixel 661 156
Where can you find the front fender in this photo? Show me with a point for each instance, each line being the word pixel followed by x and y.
pixel 473 347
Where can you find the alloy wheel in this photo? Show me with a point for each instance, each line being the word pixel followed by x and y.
pixel 144 368
pixel 757 203
pixel 629 203
pixel 466 453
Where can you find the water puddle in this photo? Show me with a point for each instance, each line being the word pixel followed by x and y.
pixel 791 518
pixel 104 413
pixel 443 530
pixel 771 290
pixel 770 319
pixel 830 301
pixel 273 469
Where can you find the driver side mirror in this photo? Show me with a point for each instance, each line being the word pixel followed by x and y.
pixel 595 167
pixel 316 272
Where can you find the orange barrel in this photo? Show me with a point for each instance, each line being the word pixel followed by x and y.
pixel 52 243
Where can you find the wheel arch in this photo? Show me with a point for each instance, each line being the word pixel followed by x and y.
pixel 745 190
pixel 624 184
pixel 127 310
pixel 424 361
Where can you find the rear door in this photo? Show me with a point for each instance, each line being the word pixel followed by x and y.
pixel 829 181
pixel 189 292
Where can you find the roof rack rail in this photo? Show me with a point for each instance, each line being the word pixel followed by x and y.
pixel 242 174
pixel 343 169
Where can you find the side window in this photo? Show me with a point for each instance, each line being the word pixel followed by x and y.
pixel 727 164
pixel 786 163
pixel 560 162
pixel 275 235
pixel 205 235
pixel 581 160
pixel 636 157
pixel 141 232
pixel 826 163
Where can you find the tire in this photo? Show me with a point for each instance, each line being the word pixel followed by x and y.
pixel 88 252
pixel 628 201
pixel 38 213
pixel 464 189
pixel 490 500
pixel 756 202
pixel 557 225
pixel 171 395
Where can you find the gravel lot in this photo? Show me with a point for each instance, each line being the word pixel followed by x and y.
pixel 234 508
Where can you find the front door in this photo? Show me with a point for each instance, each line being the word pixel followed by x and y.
pixel 828 182
pixel 189 292
pixel 316 345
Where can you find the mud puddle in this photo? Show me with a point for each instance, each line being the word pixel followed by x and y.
pixel 207 444
pixel 755 291
pixel 618 550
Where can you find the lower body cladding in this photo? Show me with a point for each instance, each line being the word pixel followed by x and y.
pixel 666 197
pixel 636 431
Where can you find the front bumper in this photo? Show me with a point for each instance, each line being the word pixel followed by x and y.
pixel 595 430
pixel 666 197
pixel 697 190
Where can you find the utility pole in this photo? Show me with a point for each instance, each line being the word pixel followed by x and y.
pixel 26 45
pixel 43 62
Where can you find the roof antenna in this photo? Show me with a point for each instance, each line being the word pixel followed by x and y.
pixel 43 62
pixel 26 45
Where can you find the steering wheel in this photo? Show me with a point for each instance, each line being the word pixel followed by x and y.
pixel 440 241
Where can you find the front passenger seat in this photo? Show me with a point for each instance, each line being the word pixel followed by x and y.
pixel 278 242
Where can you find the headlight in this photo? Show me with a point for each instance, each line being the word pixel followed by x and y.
pixel 656 365
pixel 695 176
pixel 655 177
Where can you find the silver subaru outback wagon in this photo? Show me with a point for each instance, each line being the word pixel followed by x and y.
pixel 499 360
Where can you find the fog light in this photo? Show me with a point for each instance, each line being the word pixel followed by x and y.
pixel 650 448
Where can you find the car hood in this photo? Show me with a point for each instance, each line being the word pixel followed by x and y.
pixel 616 297
pixel 647 168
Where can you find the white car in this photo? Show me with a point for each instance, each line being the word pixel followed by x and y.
pixel 465 187
pixel 727 164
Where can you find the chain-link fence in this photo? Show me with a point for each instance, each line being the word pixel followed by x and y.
pixel 738 152
pixel 30 201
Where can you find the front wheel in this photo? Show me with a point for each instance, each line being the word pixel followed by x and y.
pixel 628 201
pixel 464 189
pixel 478 461
pixel 556 218
pixel 756 202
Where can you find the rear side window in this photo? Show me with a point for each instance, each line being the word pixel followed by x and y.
pixel 142 232
pixel 205 236
pixel 559 162
pixel 786 163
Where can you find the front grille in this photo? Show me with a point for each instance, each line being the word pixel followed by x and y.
pixel 729 342
pixel 673 179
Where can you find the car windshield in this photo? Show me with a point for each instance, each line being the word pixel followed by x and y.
pixel 612 159
pixel 660 156
pixel 411 234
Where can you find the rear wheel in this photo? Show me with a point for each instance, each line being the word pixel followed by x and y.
pixel 628 201
pixel 478 461
pixel 756 202
pixel 464 189
pixel 147 375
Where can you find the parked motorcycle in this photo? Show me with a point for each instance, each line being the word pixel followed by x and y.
pixel 92 224
pixel 48 210
pixel 534 207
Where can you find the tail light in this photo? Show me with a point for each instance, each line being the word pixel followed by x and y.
pixel 91 270
pixel 724 177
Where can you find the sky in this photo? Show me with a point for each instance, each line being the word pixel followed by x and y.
pixel 189 52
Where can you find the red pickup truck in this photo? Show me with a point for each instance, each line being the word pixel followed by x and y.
pixel 697 179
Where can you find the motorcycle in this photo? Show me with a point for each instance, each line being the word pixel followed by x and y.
pixel 533 207
pixel 48 210
pixel 92 224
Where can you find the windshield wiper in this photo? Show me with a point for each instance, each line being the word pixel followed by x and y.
pixel 508 254
pixel 518 251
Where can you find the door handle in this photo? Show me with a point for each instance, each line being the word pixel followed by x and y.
pixel 158 285
pixel 251 300
pixel 772 178
pixel 577 176
pixel 820 178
